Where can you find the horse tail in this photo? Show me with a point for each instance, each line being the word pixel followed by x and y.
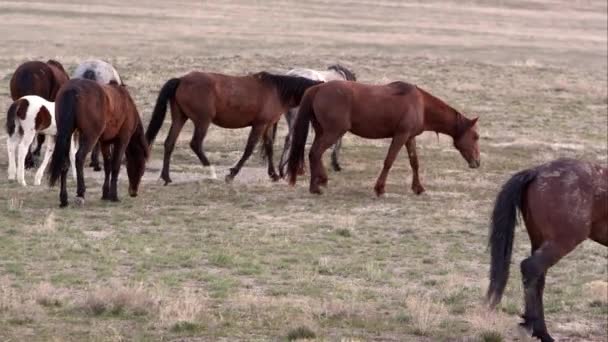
pixel 16 110
pixel 66 121
pixel 167 92
pixel 502 231
pixel 300 134
pixel 89 75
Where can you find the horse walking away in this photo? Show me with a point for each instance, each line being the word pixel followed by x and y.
pixel 26 117
pixel 104 114
pixel 103 73
pixel 398 110
pixel 563 203
pixel 333 72
pixel 256 100
pixel 37 78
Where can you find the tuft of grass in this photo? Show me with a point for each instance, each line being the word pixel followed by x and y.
pixel 301 333
pixel 490 336
pixel 119 300
pixel 344 232
pixel 47 295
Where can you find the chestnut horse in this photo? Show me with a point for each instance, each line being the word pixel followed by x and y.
pixel 103 73
pixel 563 203
pixel 104 114
pixel 398 110
pixel 41 79
pixel 256 100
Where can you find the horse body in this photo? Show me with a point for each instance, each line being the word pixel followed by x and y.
pixel 103 73
pixel 104 114
pixel 37 78
pixel 398 110
pixel 563 203
pixel 256 100
pixel 333 72
pixel 28 116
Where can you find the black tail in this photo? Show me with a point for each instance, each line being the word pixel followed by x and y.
pixel 502 231
pixel 66 115
pixel 11 124
pixel 167 92
pixel 89 75
pixel 300 134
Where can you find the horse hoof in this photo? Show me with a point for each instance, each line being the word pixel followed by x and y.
pixel 337 168
pixel 96 168
pixel 418 189
pixel 316 191
pixel 379 190
pixel 63 204
pixel 79 201
pixel 229 178
pixel 274 177
pixel 166 179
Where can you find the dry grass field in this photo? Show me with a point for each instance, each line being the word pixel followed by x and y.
pixel 201 260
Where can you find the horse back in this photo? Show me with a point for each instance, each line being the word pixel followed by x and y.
pixel 32 78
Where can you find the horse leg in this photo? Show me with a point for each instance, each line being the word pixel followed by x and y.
pixel 335 154
pixel 268 148
pixel 196 144
pixel 22 150
pixel 252 140
pixel 84 147
pixel 285 154
pixel 396 145
pixel 48 151
pixel 177 123
pixel 413 155
pixel 11 145
pixel 534 269
pixel 95 158
pixel 118 151
pixel 63 192
pixel 318 175
pixel 107 169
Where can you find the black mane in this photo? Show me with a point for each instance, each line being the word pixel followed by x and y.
pixel 290 88
pixel 348 75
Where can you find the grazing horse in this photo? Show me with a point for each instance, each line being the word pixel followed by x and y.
pixel 398 110
pixel 103 73
pixel 333 72
pixel 256 100
pixel 563 203
pixel 104 114
pixel 26 117
pixel 37 78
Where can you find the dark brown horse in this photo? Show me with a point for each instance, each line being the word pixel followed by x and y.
pixel 104 114
pixel 563 203
pixel 256 100
pixel 37 78
pixel 398 110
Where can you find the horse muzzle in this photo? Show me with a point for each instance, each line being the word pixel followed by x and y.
pixel 474 164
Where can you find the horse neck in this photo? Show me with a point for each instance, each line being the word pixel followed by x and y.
pixel 439 117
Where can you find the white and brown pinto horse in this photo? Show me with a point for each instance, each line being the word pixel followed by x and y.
pixel 27 117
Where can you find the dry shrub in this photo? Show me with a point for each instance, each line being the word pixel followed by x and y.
pixel 188 308
pixel 47 295
pixel 16 308
pixel 426 315
pixel 598 291
pixel 118 299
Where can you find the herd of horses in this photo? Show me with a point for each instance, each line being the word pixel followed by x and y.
pixel 562 202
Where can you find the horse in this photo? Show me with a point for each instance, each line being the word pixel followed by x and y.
pixel 104 114
pixel 563 203
pixel 256 100
pixel 102 72
pixel 397 110
pixel 37 78
pixel 27 117
pixel 333 72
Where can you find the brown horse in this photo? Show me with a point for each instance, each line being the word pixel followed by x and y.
pixel 398 110
pixel 563 203
pixel 104 114
pixel 41 79
pixel 256 100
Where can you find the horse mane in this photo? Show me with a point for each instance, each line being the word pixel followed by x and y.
pixel 461 120
pixel 290 88
pixel 348 75
pixel 56 64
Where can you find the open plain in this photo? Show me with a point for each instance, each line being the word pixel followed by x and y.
pixel 202 260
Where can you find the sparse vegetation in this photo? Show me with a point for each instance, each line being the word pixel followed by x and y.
pixel 256 260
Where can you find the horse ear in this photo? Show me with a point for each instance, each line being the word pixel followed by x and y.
pixel 474 121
